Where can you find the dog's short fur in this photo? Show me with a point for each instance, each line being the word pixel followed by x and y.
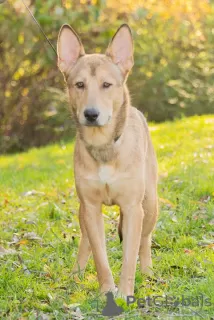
pixel 114 159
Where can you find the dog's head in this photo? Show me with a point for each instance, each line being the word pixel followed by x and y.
pixel 95 81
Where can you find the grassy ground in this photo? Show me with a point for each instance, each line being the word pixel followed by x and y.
pixel 39 232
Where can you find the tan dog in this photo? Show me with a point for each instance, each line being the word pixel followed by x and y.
pixel 114 159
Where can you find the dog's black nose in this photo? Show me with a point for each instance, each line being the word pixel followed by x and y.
pixel 91 114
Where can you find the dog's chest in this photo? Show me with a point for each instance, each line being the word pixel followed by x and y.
pixel 106 174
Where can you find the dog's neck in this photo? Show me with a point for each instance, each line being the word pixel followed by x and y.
pixel 104 149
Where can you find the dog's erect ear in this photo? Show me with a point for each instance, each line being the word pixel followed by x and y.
pixel 120 49
pixel 69 48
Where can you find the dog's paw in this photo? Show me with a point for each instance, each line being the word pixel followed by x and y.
pixel 147 271
pixel 119 294
pixel 108 288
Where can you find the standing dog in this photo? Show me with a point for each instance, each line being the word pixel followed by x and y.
pixel 114 160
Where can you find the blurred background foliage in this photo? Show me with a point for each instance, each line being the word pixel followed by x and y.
pixel 173 74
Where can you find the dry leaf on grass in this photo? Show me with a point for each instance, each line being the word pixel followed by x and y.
pixel 32 193
pixel 77 315
pixel 206 243
pixel 4 252
pixel 31 236
pixel 25 238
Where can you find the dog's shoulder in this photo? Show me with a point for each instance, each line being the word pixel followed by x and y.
pixel 136 116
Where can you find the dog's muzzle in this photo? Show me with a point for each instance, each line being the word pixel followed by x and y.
pixel 91 116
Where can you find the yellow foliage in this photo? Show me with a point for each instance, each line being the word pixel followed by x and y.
pixel 21 38
pixel 25 92
pixel 177 9
pixel 7 94
pixel 19 73
pixel 67 4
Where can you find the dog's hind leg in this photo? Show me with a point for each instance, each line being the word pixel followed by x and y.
pixel 150 206
pixel 84 246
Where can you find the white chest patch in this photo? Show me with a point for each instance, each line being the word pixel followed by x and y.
pixel 106 174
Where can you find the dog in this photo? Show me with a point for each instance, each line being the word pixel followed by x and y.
pixel 114 159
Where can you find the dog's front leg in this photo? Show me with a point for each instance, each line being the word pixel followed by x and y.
pixel 131 229
pixel 84 246
pixel 93 220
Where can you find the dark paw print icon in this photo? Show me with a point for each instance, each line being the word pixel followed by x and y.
pixel 111 308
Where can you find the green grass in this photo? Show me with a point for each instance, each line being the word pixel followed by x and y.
pixel 35 277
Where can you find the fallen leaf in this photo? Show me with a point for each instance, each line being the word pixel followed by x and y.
pixel 210 246
pixel 188 251
pixel 24 239
pixel 32 193
pixel 15 239
pixel 22 242
pixel 4 252
pixel 31 236
pixel 30 222
pixel 42 316
pixel 206 242
pixel 205 199
pixel 77 315
pixel 6 202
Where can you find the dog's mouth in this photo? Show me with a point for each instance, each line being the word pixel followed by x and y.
pixel 92 124
pixel 96 123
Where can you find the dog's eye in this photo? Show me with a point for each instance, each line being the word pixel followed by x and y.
pixel 106 85
pixel 80 85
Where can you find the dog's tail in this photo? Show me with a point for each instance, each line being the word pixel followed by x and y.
pixel 120 227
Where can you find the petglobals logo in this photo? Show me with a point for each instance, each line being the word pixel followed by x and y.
pixel 170 301
pixel 166 303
